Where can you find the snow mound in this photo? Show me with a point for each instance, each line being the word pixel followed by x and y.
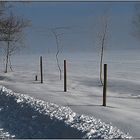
pixel 27 117
pixel 5 135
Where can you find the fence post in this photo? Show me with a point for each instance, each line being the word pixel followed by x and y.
pixel 65 76
pixel 41 69
pixel 36 78
pixel 105 85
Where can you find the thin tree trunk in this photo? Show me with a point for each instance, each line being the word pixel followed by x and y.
pixel 7 57
pixel 57 60
pixel 10 64
pixel 101 64
pixel 102 53
pixel 60 72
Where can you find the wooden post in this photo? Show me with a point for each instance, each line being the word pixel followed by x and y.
pixel 105 85
pixel 41 69
pixel 65 76
pixel 36 78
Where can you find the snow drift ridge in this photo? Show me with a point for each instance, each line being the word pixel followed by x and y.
pixel 27 117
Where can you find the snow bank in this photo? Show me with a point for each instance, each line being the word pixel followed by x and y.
pixel 5 135
pixel 27 117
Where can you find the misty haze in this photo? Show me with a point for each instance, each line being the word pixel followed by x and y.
pixel 69 70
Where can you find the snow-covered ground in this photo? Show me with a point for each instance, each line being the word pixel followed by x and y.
pixel 27 117
pixel 84 94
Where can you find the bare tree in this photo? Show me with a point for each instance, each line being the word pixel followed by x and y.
pixel 11 32
pixel 103 34
pixel 53 30
pixel 58 32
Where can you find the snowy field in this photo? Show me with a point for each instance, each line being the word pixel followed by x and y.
pixel 84 96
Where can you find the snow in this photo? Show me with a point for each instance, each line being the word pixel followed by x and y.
pixel 5 135
pixel 84 94
pixel 22 115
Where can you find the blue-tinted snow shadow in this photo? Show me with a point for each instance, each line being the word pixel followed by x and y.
pixel 2 77
pixel 90 105
pixel 118 86
pixel 23 121
pixel 5 78
pixel 89 82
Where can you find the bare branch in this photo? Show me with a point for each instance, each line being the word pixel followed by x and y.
pixel 56 35
pixel 11 29
pixel 103 34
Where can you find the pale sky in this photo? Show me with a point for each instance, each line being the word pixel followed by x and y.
pixel 83 20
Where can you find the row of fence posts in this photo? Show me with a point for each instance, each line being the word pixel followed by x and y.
pixel 65 79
